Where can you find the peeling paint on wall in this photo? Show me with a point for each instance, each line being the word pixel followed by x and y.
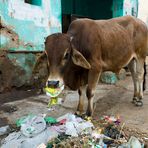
pixel 24 27
pixel 24 11
pixel 32 23
pixel 8 37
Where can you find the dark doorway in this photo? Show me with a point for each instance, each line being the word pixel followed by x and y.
pixel 96 9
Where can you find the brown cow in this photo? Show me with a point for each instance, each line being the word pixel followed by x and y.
pixel 90 47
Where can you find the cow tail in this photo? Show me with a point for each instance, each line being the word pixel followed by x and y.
pixel 144 77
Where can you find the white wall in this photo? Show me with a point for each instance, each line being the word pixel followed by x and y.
pixel 143 10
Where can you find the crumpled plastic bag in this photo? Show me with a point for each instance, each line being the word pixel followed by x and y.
pixel 13 140
pixel 69 117
pixel 71 129
pixel 75 126
pixel 18 140
pixel 60 128
pixel 132 143
pixel 84 127
pixel 32 125
pixel 4 130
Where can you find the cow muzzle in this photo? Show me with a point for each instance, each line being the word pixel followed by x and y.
pixel 53 84
pixel 54 87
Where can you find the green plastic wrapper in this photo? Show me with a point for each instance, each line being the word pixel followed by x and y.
pixel 50 120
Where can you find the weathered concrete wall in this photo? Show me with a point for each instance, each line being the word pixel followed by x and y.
pixel 23 28
pixel 143 10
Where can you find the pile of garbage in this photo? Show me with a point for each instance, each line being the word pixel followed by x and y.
pixel 109 133
pixel 35 130
pixel 69 130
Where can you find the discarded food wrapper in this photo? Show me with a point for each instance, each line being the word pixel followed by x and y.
pixel 54 101
pixel 50 120
pixel 63 121
pixel 54 92
pixel 111 119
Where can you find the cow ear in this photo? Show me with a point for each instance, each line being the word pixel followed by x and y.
pixel 79 59
pixel 42 61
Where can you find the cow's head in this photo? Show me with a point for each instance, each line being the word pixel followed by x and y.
pixel 60 52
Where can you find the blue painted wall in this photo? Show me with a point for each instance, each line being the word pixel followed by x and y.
pixel 31 22
pixel 25 24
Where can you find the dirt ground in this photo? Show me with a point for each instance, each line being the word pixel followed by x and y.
pixel 109 100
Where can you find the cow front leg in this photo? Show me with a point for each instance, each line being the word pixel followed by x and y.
pixel 82 94
pixel 92 82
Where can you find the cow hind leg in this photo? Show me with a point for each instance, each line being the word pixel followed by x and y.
pixel 140 78
pixel 136 66
pixel 132 68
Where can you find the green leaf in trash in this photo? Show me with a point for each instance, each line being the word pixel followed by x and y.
pixel 50 120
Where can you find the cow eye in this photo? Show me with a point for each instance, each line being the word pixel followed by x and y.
pixel 66 56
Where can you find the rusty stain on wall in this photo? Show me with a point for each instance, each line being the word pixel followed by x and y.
pixel 10 35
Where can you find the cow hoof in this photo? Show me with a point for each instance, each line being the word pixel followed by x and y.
pixel 139 103
pixel 134 100
pixel 80 114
